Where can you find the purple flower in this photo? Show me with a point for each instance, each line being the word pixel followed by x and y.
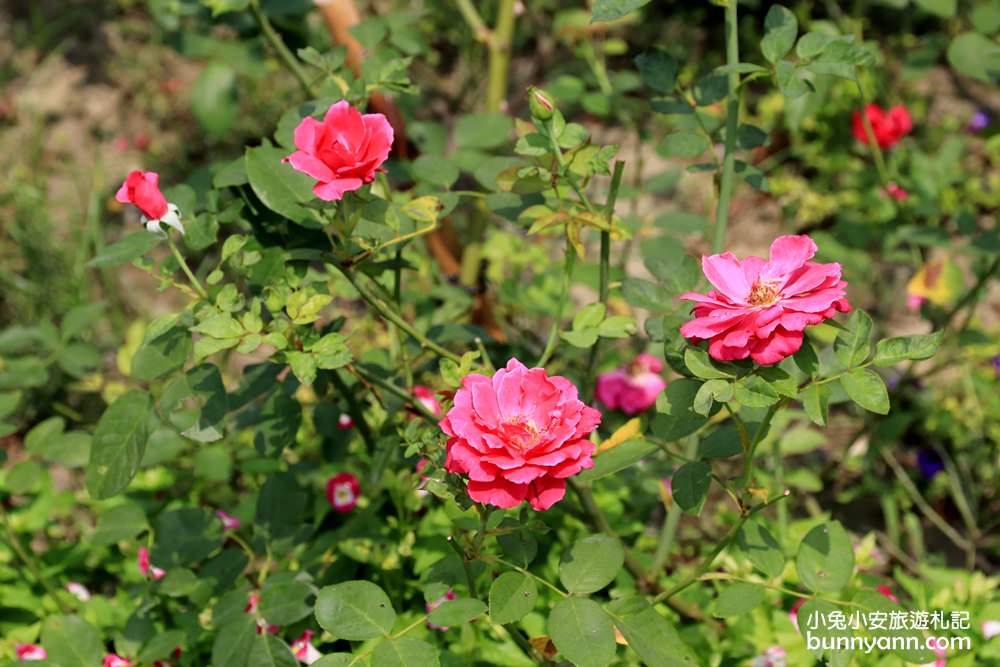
pixel 930 463
pixel 996 365
pixel 979 122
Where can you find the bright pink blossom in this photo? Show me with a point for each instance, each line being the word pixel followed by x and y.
pixel 990 629
pixel 434 604
pixel 887 592
pixel 343 152
pixel 518 436
pixel 344 422
pixel 896 192
pixel 342 491
pixel 303 649
pixel 793 613
pixel 145 568
pixel 773 657
pixel 30 652
pixel 760 308
pixel 229 522
pixel 425 397
pixel 78 590
pixel 141 188
pixel 939 651
pixel 114 660
pixel 633 388
pixel 888 126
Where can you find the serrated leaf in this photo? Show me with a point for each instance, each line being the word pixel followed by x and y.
pixel 697 361
pixel 582 632
pixel 780 29
pixel 738 598
pixel 355 610
pixel 512 595
pixel 825 560
pixel 118 444
pixel 889 351
pixel 689 485
pixel 853 342
pixel 591 563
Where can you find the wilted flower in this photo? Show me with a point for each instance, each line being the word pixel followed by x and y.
pixel 426 398
pixel 30 652
pixel 343 152
pixel 888 126
pixel 772 657
pixel 434 604
pixel 145 568
pixel 229 522
pixel 115 660
pixel 760 307
pixel 303 649
pixel 141 188
pixel 633 388
pixel 342 491
pixel 78 590
pixel 518 436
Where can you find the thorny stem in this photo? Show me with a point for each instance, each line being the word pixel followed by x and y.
pixel 732 119
pixel 195 283
pixel 758 436
pixel 278 44
pixel 29 560
pixel 469 577
pixel 499 62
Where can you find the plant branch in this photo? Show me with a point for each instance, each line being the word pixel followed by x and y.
pixel 732 121
pixel 195 283
pixel 278 44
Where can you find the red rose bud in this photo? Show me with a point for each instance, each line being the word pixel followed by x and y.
pixel 541 104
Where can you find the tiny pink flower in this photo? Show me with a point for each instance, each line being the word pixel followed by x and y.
pixel 303 649
pixel 990 629
pixel 229 522
pixel 896 192
pixel 342 491
pixel 141 188
pixel 518 436
pixel 793 613
pixel 434 604
pixel 941 653
pixel 773 657
pixel 145 568
pixel 633 388
pixel 164 663
pixel 114 660
pixel 887 592
pixel 253 602
pixel 760 308
pixel 30 652
pixel 78 590
pixel 343 152
pixel 915 301
pixel 426 398
pixel 344 422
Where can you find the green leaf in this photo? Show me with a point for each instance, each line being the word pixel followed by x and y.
pixel 204 384
pixel 611 10
pixel 780 30
pixel 828 633
pixel 283 600
pixel 710 88
pixel 825 560
pixel 658 69
pixel 985 17
pixel 583 339
pixel 125 250
pixel 710 392
pixel 591 563
pixel 582 632
pixel 738 598
pixel 277 423
pixel 891 351
pixel 853 342
pixel 279 187
pixel 280 506
pixel 789 80
pixel 589 316
pixel 617 459
pixel 754 391
pixel 486 129
pixel 161 354
pixel 617 326
pixel 185 536
pixel 214 100
pixel 750 136
pixel 812 44
pixel 873 601
pixel 26 477
pixel 697 361
pixel 943 8
pixel 119 523
pixel 355 610
pixel 757 543
pixel 684 144
pixel 690 485
pixel 721 443
pixel 459 611
pixel 816 402
pixel 650 635
pixel 118 445
pixel 79 319
pixel 404 652
pixel 866 388
pixel 234 642
pixel 976 56
pixel 677 416
pixel 436 170
pixel 512 595
pixel 71 642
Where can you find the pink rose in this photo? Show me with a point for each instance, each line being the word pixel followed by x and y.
pixel 145 568
pixel 30 652
pixel 342 491
pixel 633 388
pixel 888 126
pixel 141 188
pixel 518 436
pixel 343 152
pixel 229 522
pixel 760 308
pixel 114 660
pixel 426 398
pixel 303 649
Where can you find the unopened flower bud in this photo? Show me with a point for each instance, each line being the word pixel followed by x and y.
pixel 542 106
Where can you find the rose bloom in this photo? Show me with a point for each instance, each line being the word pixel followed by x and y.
pixel 303 649
pixel 30 652
pixel 518 436
pixel 425 396
pixel 114 660
pixel 343 152
pixel 229 522
pixel 760 308
pixel 633 388
pixel 141 188
pixel 145 568
pixel 342 491
pixel 888 126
